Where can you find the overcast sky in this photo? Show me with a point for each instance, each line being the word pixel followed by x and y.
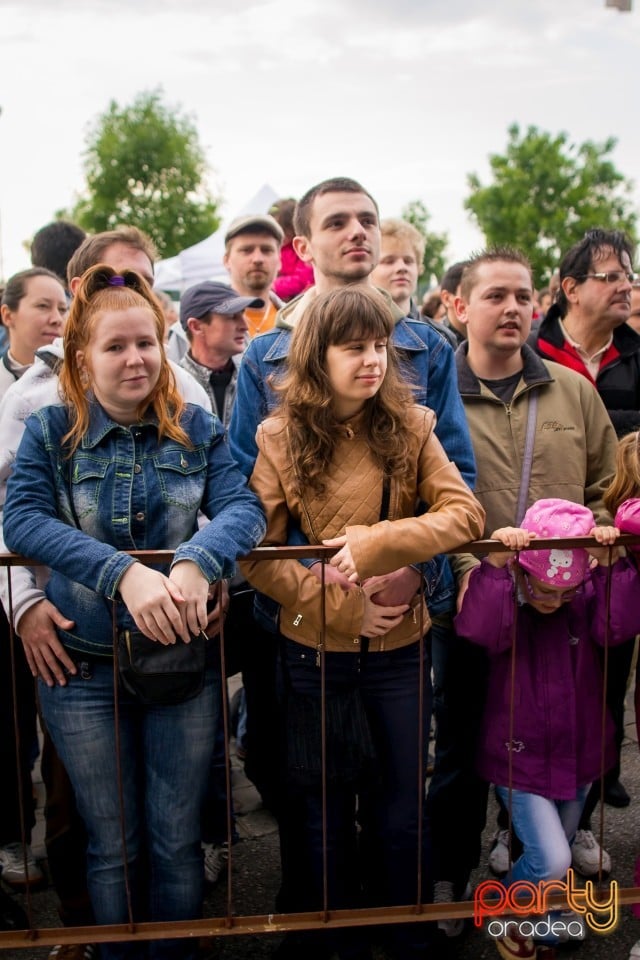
pixel 407 96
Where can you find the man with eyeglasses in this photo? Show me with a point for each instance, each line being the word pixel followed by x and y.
pixel 586 328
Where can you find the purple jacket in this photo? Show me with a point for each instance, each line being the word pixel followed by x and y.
pixel 558 678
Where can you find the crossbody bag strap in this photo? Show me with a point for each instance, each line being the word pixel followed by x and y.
pixel 527 460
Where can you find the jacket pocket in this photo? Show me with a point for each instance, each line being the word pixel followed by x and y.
pixel 181 476
pixel 87 476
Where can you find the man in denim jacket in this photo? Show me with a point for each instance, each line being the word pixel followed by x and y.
pixel 338 232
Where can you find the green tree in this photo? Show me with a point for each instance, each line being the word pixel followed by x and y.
pixel 434 259
pixel 144 167
pixel 546 193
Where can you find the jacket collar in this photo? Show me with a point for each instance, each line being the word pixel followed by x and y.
pixel 626 340
pixel 534 371
pixel 202 373
pixel 404 336
pixel 292 312
pixel 101 424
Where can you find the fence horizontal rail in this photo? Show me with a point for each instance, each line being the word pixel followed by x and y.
pixel 270 923
pixel 274 923
pixel 316 550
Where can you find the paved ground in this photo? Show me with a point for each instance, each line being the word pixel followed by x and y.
pixel 255 872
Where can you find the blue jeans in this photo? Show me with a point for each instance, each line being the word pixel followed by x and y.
pixel 166 755
pixel 547 829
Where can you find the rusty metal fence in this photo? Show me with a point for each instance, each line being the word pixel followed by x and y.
pixel 232 923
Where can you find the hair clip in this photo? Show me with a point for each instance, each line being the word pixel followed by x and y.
pixel 116 281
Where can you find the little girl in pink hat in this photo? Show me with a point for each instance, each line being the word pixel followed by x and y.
pixel 541 614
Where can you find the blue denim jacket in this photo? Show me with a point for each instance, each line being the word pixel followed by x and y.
pixel 428 364
pixel 123 490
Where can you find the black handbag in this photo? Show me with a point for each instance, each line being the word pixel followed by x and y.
pixel 159 675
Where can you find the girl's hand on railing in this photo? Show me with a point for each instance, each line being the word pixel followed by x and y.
pixel 342 560
pixel 331 575
pixel 515 538
pixel 606 536
pixel 153 601
pixel 194 589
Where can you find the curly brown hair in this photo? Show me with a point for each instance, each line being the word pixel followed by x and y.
pixel 348 313
pixel 94 296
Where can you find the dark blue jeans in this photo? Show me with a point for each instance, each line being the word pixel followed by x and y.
pixel 378 865
pixel 166 755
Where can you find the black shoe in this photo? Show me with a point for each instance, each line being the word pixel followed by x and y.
pixel 616 795
pixel 12 916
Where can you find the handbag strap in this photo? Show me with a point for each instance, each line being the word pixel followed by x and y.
pixel 386 497
pixel 528 457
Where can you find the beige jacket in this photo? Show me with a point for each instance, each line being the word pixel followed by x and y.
pixel 351 504
pixel 574 442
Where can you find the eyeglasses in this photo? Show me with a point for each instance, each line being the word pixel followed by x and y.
pixel 551 596
pixel 612 276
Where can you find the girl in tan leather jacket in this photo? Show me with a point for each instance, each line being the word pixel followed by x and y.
pixel 351 461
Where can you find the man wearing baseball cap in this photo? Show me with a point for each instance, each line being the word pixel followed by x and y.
pixel 212 317
pixel 252 258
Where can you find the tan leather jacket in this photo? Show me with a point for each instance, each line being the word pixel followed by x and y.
pixel 351 504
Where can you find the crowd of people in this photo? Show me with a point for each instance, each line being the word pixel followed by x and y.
pixel 311 402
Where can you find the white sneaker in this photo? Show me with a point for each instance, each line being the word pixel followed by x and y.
pixel 635 951
pixel 585 855
pixel 499 855
pixel 216 857
pixel 12 865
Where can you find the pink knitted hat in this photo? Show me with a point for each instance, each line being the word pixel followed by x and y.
pixel 628 521
pixel 557 518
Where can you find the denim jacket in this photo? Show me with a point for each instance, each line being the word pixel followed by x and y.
pixel 428 364
pixel 123 490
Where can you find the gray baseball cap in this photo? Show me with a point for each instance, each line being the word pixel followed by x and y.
pixel 212 297
pixel 256 221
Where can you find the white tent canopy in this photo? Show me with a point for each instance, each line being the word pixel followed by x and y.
pixel 203 261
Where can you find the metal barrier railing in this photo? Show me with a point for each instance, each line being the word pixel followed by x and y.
pixel 270 923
